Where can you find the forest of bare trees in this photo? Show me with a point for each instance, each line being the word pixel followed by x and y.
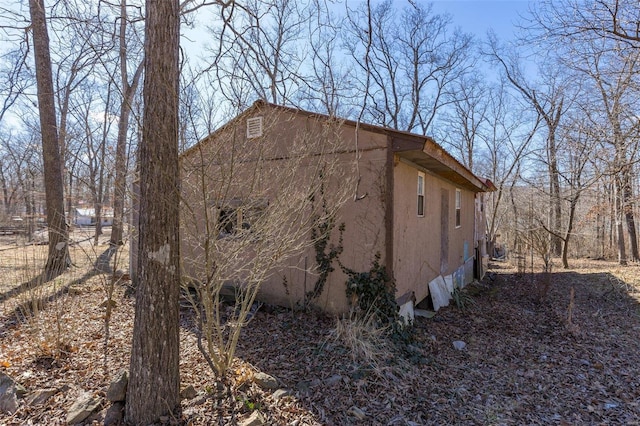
pixel 550 113
pixel 562 123
pixel 550 117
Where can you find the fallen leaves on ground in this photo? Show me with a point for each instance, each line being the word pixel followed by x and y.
pixel 527 360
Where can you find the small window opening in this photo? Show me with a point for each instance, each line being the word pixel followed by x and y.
pixel 458 208
pixel 420 194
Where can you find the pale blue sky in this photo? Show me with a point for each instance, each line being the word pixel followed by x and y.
pixel 477 16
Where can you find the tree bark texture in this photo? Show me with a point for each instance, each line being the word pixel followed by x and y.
pixel 153 389
pixel 58 257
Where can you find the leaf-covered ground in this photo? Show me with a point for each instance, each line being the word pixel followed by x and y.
pixel 531 357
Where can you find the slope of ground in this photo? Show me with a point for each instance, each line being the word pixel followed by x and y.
pixel 556 357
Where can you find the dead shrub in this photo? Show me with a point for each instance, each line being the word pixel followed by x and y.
pixel 362 337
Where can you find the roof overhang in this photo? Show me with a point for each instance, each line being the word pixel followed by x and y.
pixel 427 154
pixel 417 149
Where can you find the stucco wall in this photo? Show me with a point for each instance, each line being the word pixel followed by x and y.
pixel 418 241
pixel 287 137
pixel 293 151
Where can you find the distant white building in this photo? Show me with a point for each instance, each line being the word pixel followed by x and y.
pixel 87 217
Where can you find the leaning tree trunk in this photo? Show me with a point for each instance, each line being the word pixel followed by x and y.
pixel 154 384
pixel 58 257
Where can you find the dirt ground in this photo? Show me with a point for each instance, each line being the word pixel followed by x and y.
pixel 566 354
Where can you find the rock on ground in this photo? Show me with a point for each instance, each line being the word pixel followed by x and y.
pixel 82 408
pixel 8 396
pixel 118 388
pixel 255 419
pixel 114 415
pixel 188 393
pixel 265 381
pixel 40 396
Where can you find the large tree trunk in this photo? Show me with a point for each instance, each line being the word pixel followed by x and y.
pixel 58 257
pixel 154 383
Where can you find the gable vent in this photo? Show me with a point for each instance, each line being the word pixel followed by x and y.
pixel 254 127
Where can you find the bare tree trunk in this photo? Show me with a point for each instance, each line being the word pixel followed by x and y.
pixel 515 219
pixel 628 214
pixel 612 214
pixel 154 383
pixel 29 205
pixel 554 190
pixel 98 231
pixel 567 235
pixel 128 91
pixel 58 257
pixel 618 203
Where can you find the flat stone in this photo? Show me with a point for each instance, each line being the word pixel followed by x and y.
pixel 40 396
pixel 280 393
pixel 459 344
pixel 265 381
pixel 118 388
pixel 82 408
pixel 357 413
pixel 448 280
pixel 255 419
pixel 188 393
pixel 407 312
pixel 8 396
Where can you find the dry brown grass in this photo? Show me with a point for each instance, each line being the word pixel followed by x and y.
pixel 363 338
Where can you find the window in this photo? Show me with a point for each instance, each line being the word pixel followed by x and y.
pixel 458 202
pixel 237 217
pixel 420 194
pixel 254 127
pixel 228 221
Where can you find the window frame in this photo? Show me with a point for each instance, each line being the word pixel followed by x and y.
pixel 420 194
pixel 237 216
pixel 458 208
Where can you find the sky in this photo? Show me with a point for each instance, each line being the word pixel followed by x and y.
pixel 472 16
pixel 478 16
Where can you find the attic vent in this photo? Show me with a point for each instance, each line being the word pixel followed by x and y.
pixel 254 127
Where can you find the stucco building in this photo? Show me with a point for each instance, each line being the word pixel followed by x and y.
pixel 400 195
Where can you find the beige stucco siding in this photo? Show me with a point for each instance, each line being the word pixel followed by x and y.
pixel 419 255
pixel 279 171
pixel 416 239
pixel 362 238
pixel 258 173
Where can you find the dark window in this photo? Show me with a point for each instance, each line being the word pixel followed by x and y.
pixel 420 194
pixel 458 208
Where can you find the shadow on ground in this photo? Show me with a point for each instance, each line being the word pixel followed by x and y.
pixel 35 301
